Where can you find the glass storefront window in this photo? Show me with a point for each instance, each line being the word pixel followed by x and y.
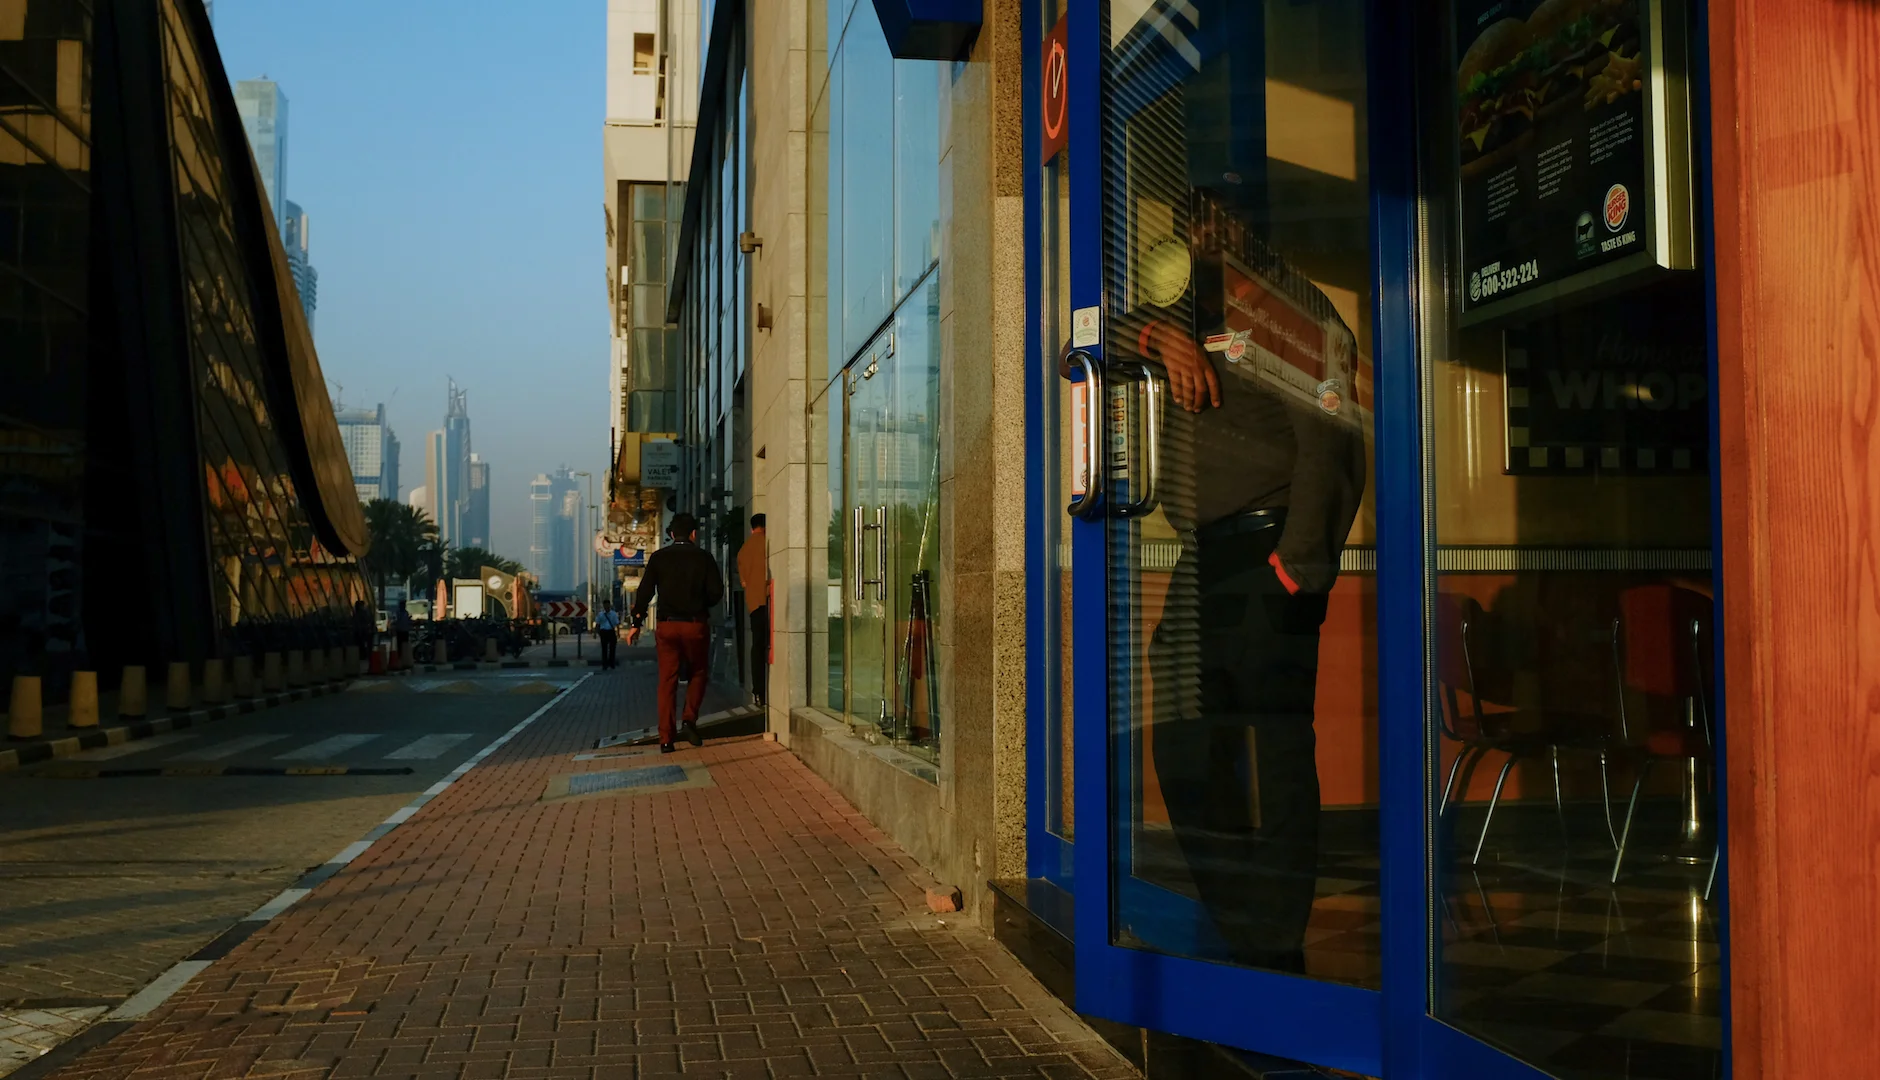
pixel 1572 613
pixel 916 170
pixel 1242 602
pixel 868 181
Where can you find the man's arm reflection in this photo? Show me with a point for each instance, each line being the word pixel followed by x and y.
pixel 1278 475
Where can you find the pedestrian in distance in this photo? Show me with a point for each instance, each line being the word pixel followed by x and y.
pixel 401 629
pixel 607 625
pixel 754 579
pixel 365 627
pixel 685 580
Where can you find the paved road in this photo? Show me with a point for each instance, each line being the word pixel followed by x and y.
pixel 104 883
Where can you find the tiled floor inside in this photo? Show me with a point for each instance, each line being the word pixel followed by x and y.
pixel 1587 979
pixel 1540 954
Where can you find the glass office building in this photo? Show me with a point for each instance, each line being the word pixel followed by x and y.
pixel 1369 403
pixel 166 443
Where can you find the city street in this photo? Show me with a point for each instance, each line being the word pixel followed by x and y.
pixel 556 911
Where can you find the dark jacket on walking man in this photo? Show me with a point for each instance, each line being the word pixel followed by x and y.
pixel 754 579
pixel 688 585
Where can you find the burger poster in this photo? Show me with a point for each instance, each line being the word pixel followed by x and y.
pixel 1557 153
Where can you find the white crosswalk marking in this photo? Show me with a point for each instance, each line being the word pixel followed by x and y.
pixel 425 749
pixel 326 748
pixel 227 749
pixel 138 746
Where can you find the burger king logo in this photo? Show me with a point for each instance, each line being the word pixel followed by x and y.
pixel 1618 207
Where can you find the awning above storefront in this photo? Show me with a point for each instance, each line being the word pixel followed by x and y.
pixel 929 29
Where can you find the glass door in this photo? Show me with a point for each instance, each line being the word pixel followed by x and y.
pixel 869 396
pixel 891 513
pixel 1223 242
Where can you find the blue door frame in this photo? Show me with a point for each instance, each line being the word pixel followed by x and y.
pixel 1386 1032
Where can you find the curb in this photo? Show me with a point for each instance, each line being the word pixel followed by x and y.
pixel 51 749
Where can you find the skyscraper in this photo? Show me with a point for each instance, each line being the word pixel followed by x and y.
pixel 388 477
pixel 264 116
pixel 455 461
pixel 476 517
pixel 372 451
pixel 437 485
pixel 294 233
pixel 554 508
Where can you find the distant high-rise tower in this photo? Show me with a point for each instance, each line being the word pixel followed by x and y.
pixel 476 515
pixel 456 464
pixel 294 233
pixel 552 529
pixel 437 485
pixel 264 116
pixel 372 450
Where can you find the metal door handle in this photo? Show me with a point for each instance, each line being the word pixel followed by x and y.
pixel 1152 445
pixel 880 526
pixel 856 544
pixel 1095 408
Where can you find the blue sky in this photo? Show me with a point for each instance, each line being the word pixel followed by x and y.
pixel 449 156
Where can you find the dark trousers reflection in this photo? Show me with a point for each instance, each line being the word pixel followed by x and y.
pixel 1236 760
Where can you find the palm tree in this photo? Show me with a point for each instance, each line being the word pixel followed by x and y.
pixel 400 535
pixel 468 562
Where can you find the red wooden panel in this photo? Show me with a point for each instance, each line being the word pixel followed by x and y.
pixel 1796 118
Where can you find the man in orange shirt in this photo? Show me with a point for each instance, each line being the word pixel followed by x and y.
pixel 754 578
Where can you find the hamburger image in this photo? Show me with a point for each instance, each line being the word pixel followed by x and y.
pixel 1518 73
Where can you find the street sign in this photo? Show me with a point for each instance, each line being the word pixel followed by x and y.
pixel 659 464
pixel 629 557
pixel 564 609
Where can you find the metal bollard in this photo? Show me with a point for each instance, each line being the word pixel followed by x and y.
pixel 244 676
pixel 84 709
pixel 273 677
pixel 316 666
pixel 176 692
pixel 489 650
pixel 133 693
pixel 336 668
pixel 25 716
pixel 405 655
pixel 296 668
pixel 440 652
pixel 214 685
pixel 349 662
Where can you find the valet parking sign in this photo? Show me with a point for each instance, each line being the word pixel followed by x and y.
pixel 1553 141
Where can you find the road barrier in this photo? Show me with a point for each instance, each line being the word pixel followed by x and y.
pixel 133 693
pixel 25 716
pixel 83 712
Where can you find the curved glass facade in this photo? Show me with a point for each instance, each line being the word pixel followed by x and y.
pixel 269 565
pixel 166 443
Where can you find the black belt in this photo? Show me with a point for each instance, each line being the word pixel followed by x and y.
pixel 1246 521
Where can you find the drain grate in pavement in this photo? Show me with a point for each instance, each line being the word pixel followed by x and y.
pixel 620 779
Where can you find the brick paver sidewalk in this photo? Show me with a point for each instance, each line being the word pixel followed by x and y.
pixel 756 926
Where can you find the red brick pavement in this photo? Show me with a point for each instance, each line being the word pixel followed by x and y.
pixel 756 927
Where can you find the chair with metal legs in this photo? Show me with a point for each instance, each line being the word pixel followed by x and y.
pixel 1661 657
pixel 1518 733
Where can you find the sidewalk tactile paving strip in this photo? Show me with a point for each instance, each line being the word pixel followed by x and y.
pixel 754 924
pixel 616 779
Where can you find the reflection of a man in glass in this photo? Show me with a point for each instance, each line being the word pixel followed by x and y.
pixel 1265 366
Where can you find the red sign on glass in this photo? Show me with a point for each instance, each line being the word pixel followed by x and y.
pixel 1054 98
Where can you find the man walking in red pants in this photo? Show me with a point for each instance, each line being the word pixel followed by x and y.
pixel 687 582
